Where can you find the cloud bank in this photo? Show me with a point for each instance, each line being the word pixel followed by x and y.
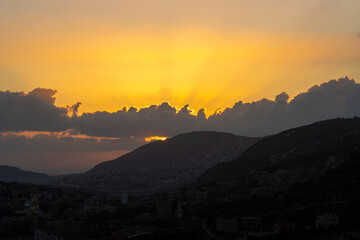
pixel 36 111
pixel 336 98
pixel 62 141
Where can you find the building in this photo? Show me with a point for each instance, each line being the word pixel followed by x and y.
pixel 32 205
pixel 250 224
pixel 45 235
pixel 327 220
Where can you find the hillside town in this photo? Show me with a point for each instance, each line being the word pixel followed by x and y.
pixel 218 211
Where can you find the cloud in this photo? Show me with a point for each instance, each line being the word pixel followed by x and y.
pixel 36 111
pixel 43 94
pixel 282 97
pixel 155 120
pixel 201 115
pixel 64 142
pixel 336 98
pixel 74 109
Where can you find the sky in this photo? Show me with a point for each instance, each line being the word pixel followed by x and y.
pixel 195 60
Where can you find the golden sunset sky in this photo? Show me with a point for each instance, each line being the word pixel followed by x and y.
pixel 109 54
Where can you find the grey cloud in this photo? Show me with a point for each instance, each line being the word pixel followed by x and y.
pixel 336 98
pixel 34 111
pixel 74 109
pixel 43 94
pixel 201 115
pixel 155 120
pixel 282 97
pixel 37 111
pixel 185 110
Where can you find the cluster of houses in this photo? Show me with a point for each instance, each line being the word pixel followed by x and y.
pixel 51 214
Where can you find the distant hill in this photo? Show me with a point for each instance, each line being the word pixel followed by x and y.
pixel 13 174
pixel 296 154
pixel 189 149
pixel 164 164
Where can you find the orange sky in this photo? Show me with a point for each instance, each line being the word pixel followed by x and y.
pixel 111 54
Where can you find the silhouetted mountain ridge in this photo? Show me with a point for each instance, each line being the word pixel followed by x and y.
pixel 303 151
pixel 13 174
pixel 164 164
pixel 177 151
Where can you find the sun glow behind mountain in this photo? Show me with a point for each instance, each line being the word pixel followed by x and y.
pixel 149 139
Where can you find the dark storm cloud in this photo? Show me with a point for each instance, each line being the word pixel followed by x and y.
pixel 34 111
pixel 37 111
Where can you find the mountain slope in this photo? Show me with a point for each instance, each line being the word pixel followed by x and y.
pixel 301 152
pixel 189 148
pixel 13 174
pixel 164 164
